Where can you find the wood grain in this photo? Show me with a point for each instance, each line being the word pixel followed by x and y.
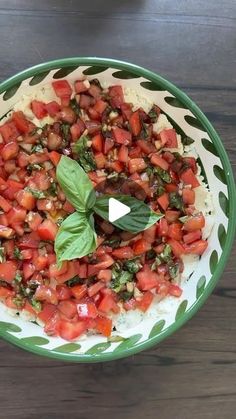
pixel 192 374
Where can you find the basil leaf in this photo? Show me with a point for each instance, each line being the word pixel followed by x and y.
pixel 140 217
pixel 76 237
pixel 76 184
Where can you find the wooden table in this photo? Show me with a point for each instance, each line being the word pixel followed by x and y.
pixel 193 373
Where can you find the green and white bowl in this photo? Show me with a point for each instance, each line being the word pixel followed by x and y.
pixel 218 174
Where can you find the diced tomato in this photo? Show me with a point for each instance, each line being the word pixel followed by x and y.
pixel 159 161
pixel 27 254
pixel 189 178
pixel 42 180
pixel 25 199
pixel 100 106
pixel 93 114
pixel 147 279
pixel 5 292
pixel 68 308
pixel 3 184
pixel 9 131
pixel 45 293
pixel 176 247
pixel 4 204
pixel 172 215
pixel 104 326
pixel 123 154
pixel 116 95
pixel 79 291
pixel 12 187
pixel 47 230
pixel 196 222
pixel 188 196
pixel 197 248
pixel 130 304
pixel 168 156
pixel 62 88
pixel 34 219
pixel 115 166
pixel 51 327
pixel 105 275
pixel 10 151
pixel 169 138
pixel 95 288
pixel 135 123
pixel 3 220
pixel 141 246
pixel 100 160
pixel 87 310
pixel 175 231
pixel 192 236
pixel 175 290
pixel 70 272
pixel 191 162
pixel 63 292
pixel 163 201
pixel 163 288
pixel 145 301
pixel 109 144
pixel 82 270
pixel 55 157
pixel 93 127
pixel 146 146
pixel 52 108
pixel 81 86
pixel 136 165
pixel 16 215
pixel 8 271
pixel 47 312
pixel 21 123
pixel 95 91
pixel 150 234
pixel 40 261
pixel 85 101
pixel 162 227
pixel 107 304
pixel 54 271
pixel 28 270
pixel 98 142
pixel 39 109
pixel 70 331
pixel 29 241
pixel 122 136
pixel 124 252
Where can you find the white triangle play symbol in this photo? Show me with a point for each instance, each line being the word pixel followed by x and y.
pixel 117 210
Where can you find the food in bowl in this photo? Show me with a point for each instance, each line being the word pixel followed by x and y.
pixel 97 138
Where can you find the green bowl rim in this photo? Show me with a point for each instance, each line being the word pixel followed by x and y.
pixel 142 72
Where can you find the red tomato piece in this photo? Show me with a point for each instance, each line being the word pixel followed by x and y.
pixel 95 91
pixel 39 109
pixel 100 160
pixel 123 154
pixel 150 234
pixel 196 248
pixel 95 288
pixel 146 146
pixel 175 290
pixel 63 292
pixel 109 144
pixel 8 271
pixel 79 291
pixel 10 151
pixel 9 131
pixel 141 246
pixel 70 273
pixel 105 275
pixel 93 127
pixel 68 308
pixel 169 138
pixel 62 88
pixel 98 142
pixel 45 293
pixel 189 178
pixel 47 312
pixel 122 136
pixel 81 86
pixel 159 161
pixel 107 304
pixel 136 165
pixel 124 252
pixel 52 108
pixel 104 326
pixel 188 196
pixel 21 123
pixel 192 236
pixel 176 247
pixel 163 201
pixel 135 123
pixel 147 279
pixel 28 270
pixel 145 301
pixel 116 95
pixel 87 310
pixel 126 109
pixel 12 187
pixel 191 162
pixel 175 231
pixel 196 222
pixel 4 204
pixel 16 215
pixel 25 199
pixel 47 230
pixel 172 215
pixel 34 219
pixel 70 331
pixel 55 157
pixel 100 106
pixel 5 292
pixel 115 166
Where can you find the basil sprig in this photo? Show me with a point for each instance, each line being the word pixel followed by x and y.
pixel 76 236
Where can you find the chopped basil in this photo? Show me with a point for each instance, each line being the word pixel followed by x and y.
pixel 65 131
pixel 37 148
pixel 35 166
pixel 151 254
pixel 176 201
pixel 18 278
pixel 144 132
pixel 2 255
pixel 19 301
pixel 187 140
pixel 132 265
pixel 164 257
pixel 36 193
pixel 119 278
pixel 36 305
pixel 17 253
pixel 81 144
pixel 125 295
pixel 114 243
pixel 85 159
pixel 153 115
pixel 52 190
pixel 163 174
pixel 159 190
pixel 173 270
pixel 75 106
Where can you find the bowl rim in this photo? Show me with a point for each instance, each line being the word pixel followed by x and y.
pixel 179 94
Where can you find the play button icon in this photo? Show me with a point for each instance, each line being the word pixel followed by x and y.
pixel 117 210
